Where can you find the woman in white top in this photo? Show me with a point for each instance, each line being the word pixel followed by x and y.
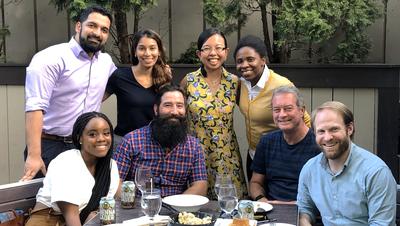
pixel 77 179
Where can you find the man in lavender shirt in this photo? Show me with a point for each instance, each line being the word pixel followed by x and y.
pixel 62 82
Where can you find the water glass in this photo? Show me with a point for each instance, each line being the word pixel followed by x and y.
pixel 143 177
pixel 222 179
pixel 151 202
pixel 227 199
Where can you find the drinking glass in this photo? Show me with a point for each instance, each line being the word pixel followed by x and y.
pixel 143 177
pixel 222 179
pixel 151 202
pixel 227 199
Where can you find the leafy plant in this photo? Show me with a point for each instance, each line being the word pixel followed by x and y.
pixel 312 23
pixel 189 56
pixel 308 25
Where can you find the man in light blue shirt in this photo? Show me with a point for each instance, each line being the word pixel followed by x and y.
pixel 347 184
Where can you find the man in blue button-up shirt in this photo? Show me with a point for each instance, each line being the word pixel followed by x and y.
pixel 347 184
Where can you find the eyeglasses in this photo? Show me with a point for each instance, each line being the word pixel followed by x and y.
pixel 207 49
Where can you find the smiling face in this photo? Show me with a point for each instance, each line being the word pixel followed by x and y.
pixel 172 105
pixel 213 53
pixel 92 34
pixel 147 52
pixel 285 112
pixel 96 138
pixel 249 64
pixel 332 135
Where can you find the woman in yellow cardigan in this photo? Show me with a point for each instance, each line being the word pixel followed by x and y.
pixel 256 85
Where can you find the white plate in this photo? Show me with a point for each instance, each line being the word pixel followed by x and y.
pixel 227 222
pixel 186 202
pixel 277 224
pixel 263 205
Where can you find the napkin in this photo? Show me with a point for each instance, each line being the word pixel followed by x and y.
pixel 143 221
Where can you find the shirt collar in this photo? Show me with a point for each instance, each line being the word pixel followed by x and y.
pixel 261 82
pixel 77 49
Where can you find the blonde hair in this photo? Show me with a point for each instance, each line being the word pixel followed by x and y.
pixel 337 107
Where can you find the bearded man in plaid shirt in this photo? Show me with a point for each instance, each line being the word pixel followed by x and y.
pixel 176 159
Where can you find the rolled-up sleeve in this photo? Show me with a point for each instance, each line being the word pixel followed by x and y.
pixel 41 77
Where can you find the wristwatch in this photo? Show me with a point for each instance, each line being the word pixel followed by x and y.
pixel 259 197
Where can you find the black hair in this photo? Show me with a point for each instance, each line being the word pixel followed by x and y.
pixel 253 42
pixel 93 9
pixel 103 166
pixel 161 72
pixel 168 88
pixel 203 37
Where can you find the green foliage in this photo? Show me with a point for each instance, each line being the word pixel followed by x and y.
pixel 311 23
pixel 189 56
pixel 228 16
pixel 353 49
pixel 357 16
pixel 74 6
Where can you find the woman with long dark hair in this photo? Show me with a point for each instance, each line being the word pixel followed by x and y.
pixel 211 92
pixel 77 179
pixel 136 86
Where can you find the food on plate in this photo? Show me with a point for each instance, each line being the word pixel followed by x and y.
pixel 240 222
pixel 190 218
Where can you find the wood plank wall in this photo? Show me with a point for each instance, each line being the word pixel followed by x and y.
pixel 362 101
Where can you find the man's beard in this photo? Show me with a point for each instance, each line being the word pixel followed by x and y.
pixel 343 146
pixel 88 46
pixel 169 131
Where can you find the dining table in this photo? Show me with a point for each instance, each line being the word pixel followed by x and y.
pixel 283 213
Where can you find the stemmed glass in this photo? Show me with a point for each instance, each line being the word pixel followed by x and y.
pixel 227 199
pixel 151 202
pixel 222 179
pixel 143 177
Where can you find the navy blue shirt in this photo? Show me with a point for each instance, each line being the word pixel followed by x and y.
pixel 281 163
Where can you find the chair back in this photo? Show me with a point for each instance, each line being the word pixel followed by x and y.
pixel 19 195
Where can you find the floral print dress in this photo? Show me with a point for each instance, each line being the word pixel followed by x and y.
pixel 211 121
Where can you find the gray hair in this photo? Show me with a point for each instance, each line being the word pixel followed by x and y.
pixel 290 89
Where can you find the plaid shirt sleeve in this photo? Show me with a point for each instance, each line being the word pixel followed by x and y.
pixel 123 156
pixel 199 166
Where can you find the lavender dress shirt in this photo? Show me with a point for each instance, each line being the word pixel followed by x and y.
pixel 64 82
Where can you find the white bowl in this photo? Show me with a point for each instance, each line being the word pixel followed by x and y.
pixel 184 202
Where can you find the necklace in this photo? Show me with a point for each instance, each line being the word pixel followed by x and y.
pixel 215 81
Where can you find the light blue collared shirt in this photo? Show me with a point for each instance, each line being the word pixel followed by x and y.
pixel 64 82
pixel 362 193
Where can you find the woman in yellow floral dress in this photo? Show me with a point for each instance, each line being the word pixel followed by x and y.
pixel 211 100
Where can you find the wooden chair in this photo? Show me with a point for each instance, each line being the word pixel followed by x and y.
pixel 19 195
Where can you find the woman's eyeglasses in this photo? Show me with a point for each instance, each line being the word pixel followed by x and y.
pixel 207 49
